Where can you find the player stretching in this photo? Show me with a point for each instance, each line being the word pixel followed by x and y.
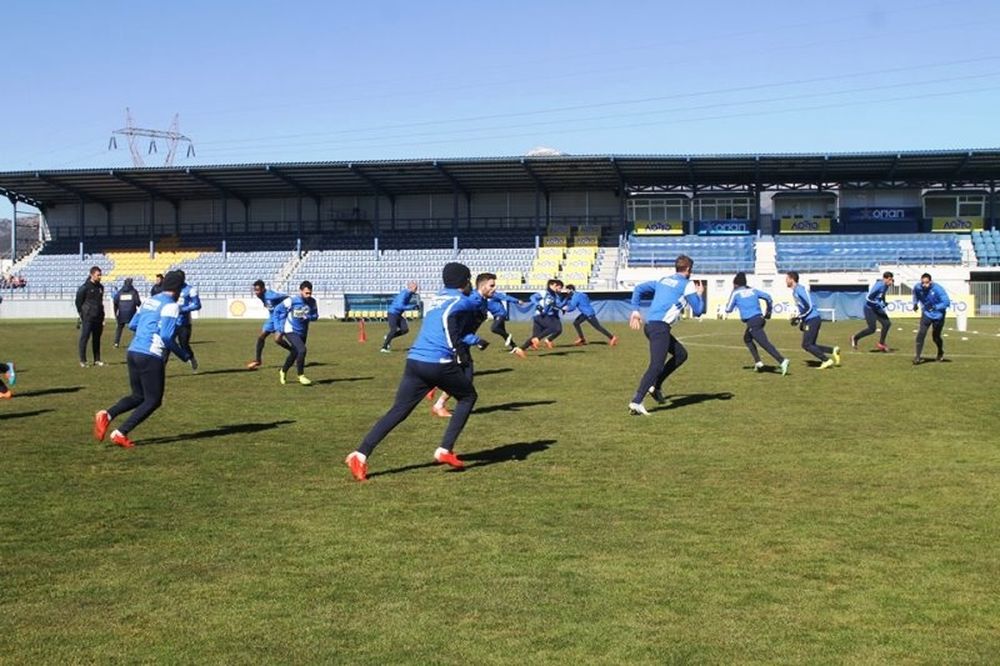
pixel 670 296
pixel 747 300
pixel 875 313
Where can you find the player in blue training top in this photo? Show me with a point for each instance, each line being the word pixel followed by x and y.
pixel 155 327
pixel 546 324
pixel 875 313
pixel 577 300
pixel 438 358
pixel 499 306
pixel 188 302
pixel 670 296
pixel 294 314
pixel 397 320
pixel 270 299
pixel 747 301
pixel 935 302
pixel 809 322
pixel 7 373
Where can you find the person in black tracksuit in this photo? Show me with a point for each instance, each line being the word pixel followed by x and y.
pixel 126 303
pixel 90 307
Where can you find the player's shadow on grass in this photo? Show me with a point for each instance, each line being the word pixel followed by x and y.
pixel 338 380
pixel 773 369
pixel 49 391
pixel 563 353
pixel 515 452
pixel 221 431
pixel 223 371
pixel 494 371
pixel 687 399
pixel 21 415
pixel 512 406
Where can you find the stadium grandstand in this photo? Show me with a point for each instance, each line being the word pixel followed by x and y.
pixel 360 230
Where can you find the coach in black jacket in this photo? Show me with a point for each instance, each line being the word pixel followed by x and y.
pixel 90 307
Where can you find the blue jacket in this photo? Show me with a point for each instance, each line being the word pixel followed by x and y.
pixel 547 303
pixel 294 314
pixel 402 303
pixel 580 301
pixel 804 303
pixel 188 302
pixel 876 297
pixel 155 325
pixel 271 299
pixel 934 300
pixel 448 328
pixel 497 304
pixel 748 301
pixel 670 295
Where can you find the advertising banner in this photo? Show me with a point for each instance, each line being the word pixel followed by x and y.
pixel 957 225
pixel 902 214
pixel 245 308
pixel 671 228
pixel 723 227
pixel 897 307
pixel 795 225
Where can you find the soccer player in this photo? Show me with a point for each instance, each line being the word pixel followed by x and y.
pixel 486 286
pixel 546 324
pixel 188 302
pixel 90 307
pixel 437 358
pixel 670 296
pixel 499 306
pixel 875 312
pixel 747 300
pixel 577 300
pixel 126 303
pixel 397 322
pixel 270 299
pixel 935 301
pixel 7 373
pixel 155 327
pixel 294 313
pixel 809 322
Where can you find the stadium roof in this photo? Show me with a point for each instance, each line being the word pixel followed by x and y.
pixel 958 168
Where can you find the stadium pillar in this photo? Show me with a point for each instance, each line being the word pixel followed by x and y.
pixel 993 206
pixel 225 225
pixel 378 215
pixel 298 227
pixel 538 218
pixel 82 216
pixel 177 217
pixel 454 214
pixel 152 226
pixel 13 232
pixel 622 195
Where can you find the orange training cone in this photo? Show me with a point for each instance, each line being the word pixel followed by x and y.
pixel 362 336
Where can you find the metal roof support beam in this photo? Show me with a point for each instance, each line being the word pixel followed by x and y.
pixel 622 195
pixel 372 183
pixel 80 194
pixel 288 180
pixel 961 167
pixel 892 169
pixel 534 177
pixel 692 177
pixel 15 197
pixel 142 187
pixel 216 186
pixel 451 179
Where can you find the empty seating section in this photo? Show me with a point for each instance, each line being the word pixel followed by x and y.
pixel 710 254
pixel 236 272
pixel 55 274
pixel 987 247
pixel 390 270
pixel 864 252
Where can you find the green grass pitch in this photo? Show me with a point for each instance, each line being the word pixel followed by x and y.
pixel 845 515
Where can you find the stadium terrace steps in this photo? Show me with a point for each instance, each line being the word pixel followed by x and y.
pixel 986 245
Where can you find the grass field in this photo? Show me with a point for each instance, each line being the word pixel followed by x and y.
pixel 845 515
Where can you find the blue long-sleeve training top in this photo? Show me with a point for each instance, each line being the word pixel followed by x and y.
pixel 547 303
pixel 446 328
pixel 155 324
pixel 188 302
pixel 403 302
pixel 580 301
pixel 294 314
pixel 271 299
pixel 934 300
pixel 804 303
pixel 747 301
pixel 497 305
pixel 876 296
pixel 670 295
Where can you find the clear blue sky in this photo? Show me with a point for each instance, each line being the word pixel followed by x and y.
pixel 288 81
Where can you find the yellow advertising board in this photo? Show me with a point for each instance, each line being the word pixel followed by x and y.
pixel 798 225
pixel 664 228
pixel 957 225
